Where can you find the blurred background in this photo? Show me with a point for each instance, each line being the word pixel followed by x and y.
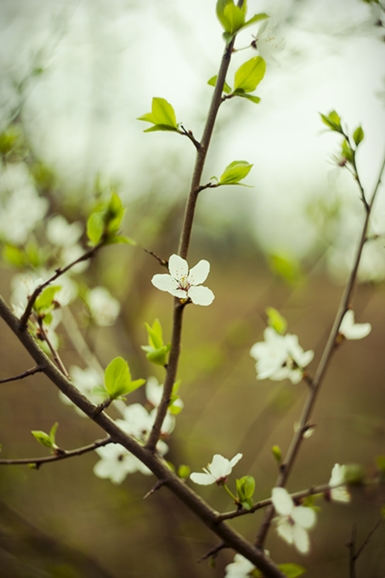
pixel 75 76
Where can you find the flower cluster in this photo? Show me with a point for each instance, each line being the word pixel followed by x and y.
pixel 280 357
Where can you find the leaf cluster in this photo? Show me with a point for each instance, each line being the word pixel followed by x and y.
pixel 104 223
pixel 156 350
pixel 233 18
pixel 118 381
pixel 246 80
pixel 47 440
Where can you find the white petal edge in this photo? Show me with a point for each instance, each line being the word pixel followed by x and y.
pixel 201 295
pixel 202 479
pixel 178 267
pixel 164 282
pixel 199 273
pixel 282 502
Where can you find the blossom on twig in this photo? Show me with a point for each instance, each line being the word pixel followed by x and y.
pixel 351 330
pixel 280 357
pixel 293 521
pixel 185 283
pixel 339 494
pixel 217 471
pixel 240 568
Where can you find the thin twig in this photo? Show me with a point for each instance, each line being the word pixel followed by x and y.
pixel 58 272
pixel 61 455
pixel 368 538
pixel 26 373
pixel 213 552
pixel 190 135
pixel 42 334
pixel 352 552
pixel 161 261
pixel 154 489
pixel 315 386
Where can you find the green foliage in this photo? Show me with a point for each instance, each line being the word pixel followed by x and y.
pixel 286 267
pixel 233 18
pixel 47 440
pixel 277 454
pixel 11 142
pixel 156 350
pixel 43 176
pixel 346 151
pixel 235 172
pixel 184 472
pixel 333 121
pixel 213 82
pixel 245 491
pixel 276 321
pixel 117 379
pixel 45 301
pixel 104 223
pixel 358 135
pixel 175 407
pixel 14 256
pixel 249 75
pixel 292 570
pixel 354 474
pixel 162 116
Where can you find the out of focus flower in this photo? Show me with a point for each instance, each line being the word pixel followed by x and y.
pixel 268 42
pixel 351 330
pixel 293 521
pixel 104 308
pixel 116 462
pixel 280 357
pixel 339 494
pixel 183 283
pixel 59 232
pixel 85 380
pixel 240 568
pixel 217 471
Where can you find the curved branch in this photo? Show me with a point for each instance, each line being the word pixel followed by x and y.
pixel 26 373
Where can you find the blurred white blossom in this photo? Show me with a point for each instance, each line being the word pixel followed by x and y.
pixel 268 42
pixel 85 380
pixel 351 330
pixel 292 521
pixel 61 233
pixel 116 462
pixel 240 568
pixel 103 306
pixel 280 357
pixel 338 477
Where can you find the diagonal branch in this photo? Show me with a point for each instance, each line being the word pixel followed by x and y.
pixel 159 468
pixel 315 386
pixel 26 373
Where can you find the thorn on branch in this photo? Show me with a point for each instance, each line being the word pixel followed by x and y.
pixel 161 261
pixel 155 488
pixel 101 407
pixel 190 135
pixel 213 553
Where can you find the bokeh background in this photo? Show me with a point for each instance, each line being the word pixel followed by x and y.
pixel 75 76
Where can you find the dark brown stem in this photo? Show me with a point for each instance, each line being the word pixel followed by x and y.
pixel 26 373
pixel 315 386
pixel 60 271
pixel 44 337
pixel 158 467
pixel 190 135
pixel 61 455
pixel 352 552
pixel 368 538
pixel 213 553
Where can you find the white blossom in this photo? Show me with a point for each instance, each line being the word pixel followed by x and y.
pixel 116 462
pixel 292 521
pixel 154 392
pixel 280 357
pixel 183 283
pixel 61 233
pixel 217 471
pixel 240 568
pixel 85 380
pixel 104 308
pixel 268 42
pixel 351 330
pixel 340 493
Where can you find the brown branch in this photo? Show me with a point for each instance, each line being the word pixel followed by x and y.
pixel 58 272
pixel 26 373
pixel 368 538
pixel 315 386
pixel 213 552
pixel 61 455
pixel 352 552
pixel 161 261
pixel 190 135
pixel 158 467
pixel 42 334
pixel 184 245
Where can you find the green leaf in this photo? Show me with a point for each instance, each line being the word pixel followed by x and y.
pixel 333 121
pixel 250 97
pixel 43 438
pixel 156 349
pixel 358 135
pixel 256 18
pixel 250 74
pixel 292 570
pixel 121 240
pixel 213 82
pixel 162 116
pixel 44 300
pixel 117 378
pixel 184 472
pixel 245 488
pixel 235 172
pixel 354 474
pixel 286 266
pixel 231 16
pixel 277 454
pixel 155 334
pixel 52 433
pixel 14 256
pixel 346 151
pixel 276 321
pixel 95 227
pixel 157 356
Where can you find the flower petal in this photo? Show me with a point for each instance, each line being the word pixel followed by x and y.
pixel 199 273
pixel 178 267
pixel 235 460
pixel 220 467
pixel 202 479
pixel 301 539
pixel 303 516
pixel 165 282
pixel 282 502
pixel 201 295
pixel 285 530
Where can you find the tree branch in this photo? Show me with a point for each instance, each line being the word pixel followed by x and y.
pixel 26 373
pixel 315 386
pixel 158 467
pixel 61 455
